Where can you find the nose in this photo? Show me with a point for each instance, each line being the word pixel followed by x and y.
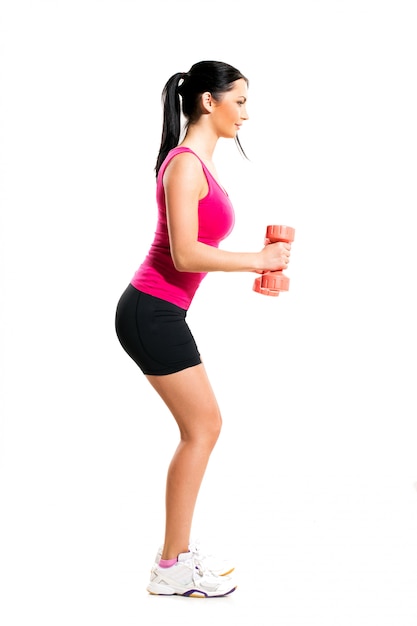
pixel 244 113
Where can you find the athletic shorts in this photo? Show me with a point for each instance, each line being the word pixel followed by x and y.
pixel 154 333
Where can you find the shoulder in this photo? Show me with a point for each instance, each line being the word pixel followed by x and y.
pixel 184 167
pixel 184 161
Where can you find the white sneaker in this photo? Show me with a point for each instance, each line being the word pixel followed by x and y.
pixel 218 567
pixel 188 578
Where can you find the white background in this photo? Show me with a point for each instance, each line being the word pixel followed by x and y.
pixel 312 487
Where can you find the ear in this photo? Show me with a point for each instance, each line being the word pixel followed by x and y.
pixel 206 102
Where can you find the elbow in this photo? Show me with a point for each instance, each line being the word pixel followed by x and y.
pixel 181 267
pixel 181 263
pixel 186 258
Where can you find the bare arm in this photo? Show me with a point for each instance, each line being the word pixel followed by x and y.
pixel 185 184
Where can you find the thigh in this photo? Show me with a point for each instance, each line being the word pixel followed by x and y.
pixel 190 398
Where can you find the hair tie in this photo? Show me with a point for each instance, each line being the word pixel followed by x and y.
pixel 181 80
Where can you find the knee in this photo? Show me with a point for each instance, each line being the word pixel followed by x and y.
pixel 215 429
pixel 209 434
pixel 206 432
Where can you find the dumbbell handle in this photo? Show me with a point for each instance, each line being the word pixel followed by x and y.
pixel 271 283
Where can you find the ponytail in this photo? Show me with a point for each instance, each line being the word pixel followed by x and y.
pixel 171 127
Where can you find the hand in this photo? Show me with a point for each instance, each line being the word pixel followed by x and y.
pixel 275 256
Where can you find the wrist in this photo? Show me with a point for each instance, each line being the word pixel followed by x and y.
pixel 258 264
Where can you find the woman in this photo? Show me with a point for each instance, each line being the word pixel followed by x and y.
pixel 194 215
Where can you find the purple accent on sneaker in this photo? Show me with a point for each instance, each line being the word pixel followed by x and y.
pixel 229 592
pixel 191 591
pixel 222 595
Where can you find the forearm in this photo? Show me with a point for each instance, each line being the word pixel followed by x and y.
pixel 201 257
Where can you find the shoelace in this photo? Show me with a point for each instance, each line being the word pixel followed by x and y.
pixel 196 565
pixel 197 557
pixel 196 551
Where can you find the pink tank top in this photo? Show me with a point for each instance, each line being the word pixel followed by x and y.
pixel 157 275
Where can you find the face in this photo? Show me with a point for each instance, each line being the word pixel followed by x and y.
pixel 229 114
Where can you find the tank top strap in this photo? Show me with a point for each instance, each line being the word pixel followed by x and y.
pixel 179 150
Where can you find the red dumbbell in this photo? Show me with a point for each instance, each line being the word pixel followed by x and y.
pixel 271 283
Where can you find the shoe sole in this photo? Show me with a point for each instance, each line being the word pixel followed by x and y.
pixel 163 590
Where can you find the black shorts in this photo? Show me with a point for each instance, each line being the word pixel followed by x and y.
pixel 154 333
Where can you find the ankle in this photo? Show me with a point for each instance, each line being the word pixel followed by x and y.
pixel 171 551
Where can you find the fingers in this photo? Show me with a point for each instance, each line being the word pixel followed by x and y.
pixel 287 257
pixel 285 249
pixel 277 255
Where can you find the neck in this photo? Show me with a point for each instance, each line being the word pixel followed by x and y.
pixel 202 143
